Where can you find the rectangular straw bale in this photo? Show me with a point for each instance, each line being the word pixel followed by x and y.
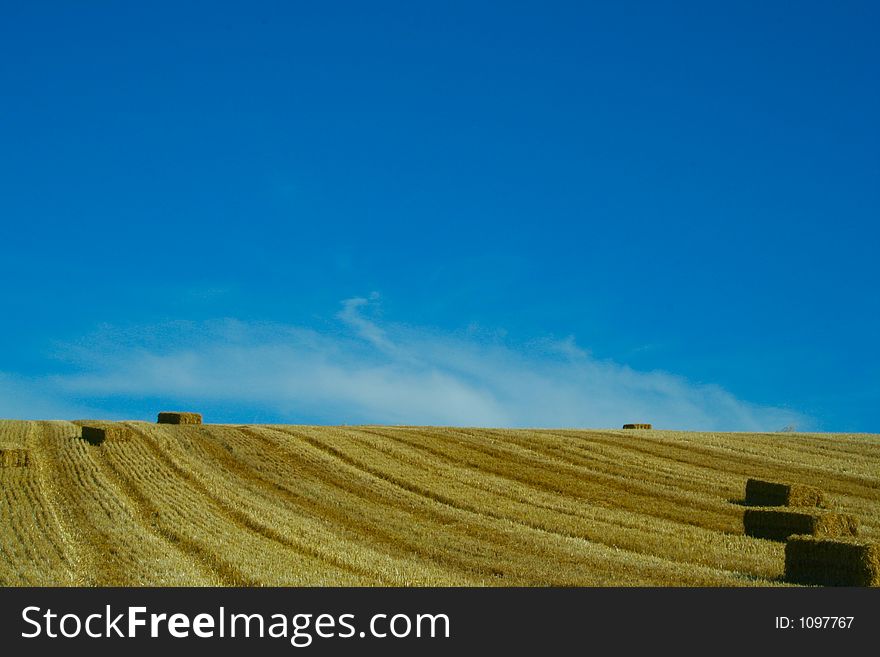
pixel 169 417
pixel 14 457
pixel 778 524
pixel 832 562
pixel 771 493
pixel 636 426
pixel 96 434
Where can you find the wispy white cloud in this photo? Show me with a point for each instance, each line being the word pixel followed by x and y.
pixel 366 329
pixel 375 372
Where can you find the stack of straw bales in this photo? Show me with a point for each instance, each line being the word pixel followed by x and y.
pixel 802 513
pixel 14 457
pixel 821 547
pixel 174 417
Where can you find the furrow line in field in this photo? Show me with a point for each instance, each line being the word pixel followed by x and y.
pixel 476 510
pixel 616 462
pixel 765 443
pixel 520 503
pixel 844 462
pixel 50 467
pixel 149 516
pixel 289 504
pixel 379 516
pixel 751 466
pixel 478 483
pixel 474 535
pixel 455 505
pixel 558 477
pixel 33 532
pixel 28 552
pixel 237 516
pixel 667 495
pixel 119 549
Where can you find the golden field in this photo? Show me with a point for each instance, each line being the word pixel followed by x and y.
pixel 407 506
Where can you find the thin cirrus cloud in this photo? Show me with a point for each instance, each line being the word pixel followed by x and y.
pixel 364 371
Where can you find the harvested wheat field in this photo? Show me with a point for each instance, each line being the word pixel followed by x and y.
pixel 402 506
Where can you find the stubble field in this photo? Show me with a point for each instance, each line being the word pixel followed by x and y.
pixel 407 506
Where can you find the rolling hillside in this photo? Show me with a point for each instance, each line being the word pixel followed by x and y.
pixel 400 506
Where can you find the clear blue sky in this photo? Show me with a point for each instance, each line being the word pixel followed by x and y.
pixel 678 190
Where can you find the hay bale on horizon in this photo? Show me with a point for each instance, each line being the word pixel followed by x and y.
pixel 772 493
pixel 175 417
pixel 636 426
pixel 779 525
pixel 96 434
pixel 832 562
pixel 14 457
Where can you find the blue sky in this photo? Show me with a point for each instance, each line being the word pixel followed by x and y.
pixel 442 212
